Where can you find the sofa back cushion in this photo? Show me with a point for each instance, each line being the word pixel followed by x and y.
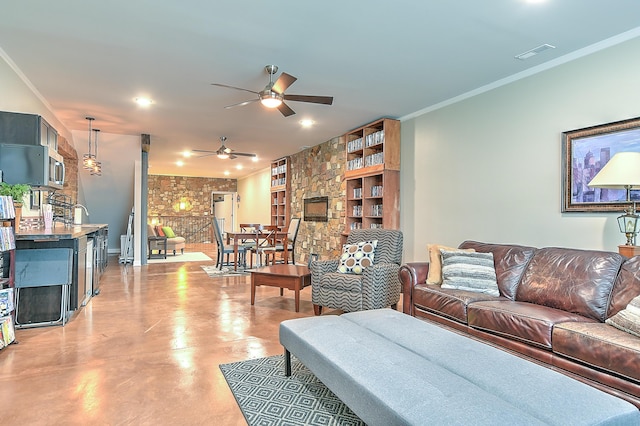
pixel 626 287
pixel 509 260
pixel 576 281
pixel 151 231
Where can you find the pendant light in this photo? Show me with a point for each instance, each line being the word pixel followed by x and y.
pixel 88 160
pixel 97 165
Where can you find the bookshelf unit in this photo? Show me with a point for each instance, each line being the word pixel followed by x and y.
pixel 7 271
pixel 280 191
pixel 373 176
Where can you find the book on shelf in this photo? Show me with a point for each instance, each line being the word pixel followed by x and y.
pixel 7 210
pixel 7 331
pixel 7 304
pixel 7 238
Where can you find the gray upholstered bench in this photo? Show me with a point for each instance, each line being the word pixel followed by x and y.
pixel 393 369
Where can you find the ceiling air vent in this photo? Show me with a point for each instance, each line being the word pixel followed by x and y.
pixel 529 53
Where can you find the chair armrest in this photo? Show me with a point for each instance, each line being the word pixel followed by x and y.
pixel 411 274
pixel 321 267
pixel 380 282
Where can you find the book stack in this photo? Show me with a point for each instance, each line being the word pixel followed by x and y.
pixel 7 211
pixel 7 329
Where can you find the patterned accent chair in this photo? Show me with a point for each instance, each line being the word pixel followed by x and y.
pixel 377 287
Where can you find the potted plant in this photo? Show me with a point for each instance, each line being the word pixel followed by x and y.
pixel 17 192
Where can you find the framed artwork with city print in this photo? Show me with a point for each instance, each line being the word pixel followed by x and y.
pixel 585 152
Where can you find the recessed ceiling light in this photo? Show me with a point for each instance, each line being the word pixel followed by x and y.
pixel 144 101
pixel 186 154
pixel 226 173
pixel 254 159
pixel 179 163
pixel 306 122
pixel 239 167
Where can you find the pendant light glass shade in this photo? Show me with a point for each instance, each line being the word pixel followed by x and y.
pixel 97 165
pixel 88 159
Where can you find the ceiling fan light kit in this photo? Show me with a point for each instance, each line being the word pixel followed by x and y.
pixel 273 95
pixel 270 99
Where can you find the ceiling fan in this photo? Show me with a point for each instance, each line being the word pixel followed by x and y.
pixel 223 152
pixel 273 96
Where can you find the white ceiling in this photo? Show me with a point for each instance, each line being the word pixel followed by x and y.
pixel 376 58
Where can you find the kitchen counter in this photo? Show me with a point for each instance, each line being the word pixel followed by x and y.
pixel 89 245
pixel 58 232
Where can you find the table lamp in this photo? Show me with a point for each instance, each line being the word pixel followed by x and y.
pixel 622 172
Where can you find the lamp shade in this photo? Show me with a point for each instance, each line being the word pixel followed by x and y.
pixel 621 172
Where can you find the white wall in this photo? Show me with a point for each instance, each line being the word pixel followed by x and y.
pixel 255 198
pixel 110 197
pixel 18 95
pixel 489 168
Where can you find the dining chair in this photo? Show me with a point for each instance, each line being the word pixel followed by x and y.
pixel 267 242
pixel 292 235
pixel 249 243
pixel 226 249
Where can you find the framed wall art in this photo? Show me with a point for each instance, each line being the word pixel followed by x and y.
pixel 584 153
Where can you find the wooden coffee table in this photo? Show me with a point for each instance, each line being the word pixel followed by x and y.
pixel 292 277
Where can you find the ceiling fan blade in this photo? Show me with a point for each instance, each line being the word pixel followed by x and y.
pixel 203 152
pixel 241 103
pixel 244 154
pixel 325 100
pixel 233 87
pixel 283 82
pixel 285 110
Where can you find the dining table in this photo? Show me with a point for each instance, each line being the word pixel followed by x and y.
pixel 276 237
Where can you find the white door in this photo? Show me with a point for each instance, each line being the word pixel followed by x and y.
pixel 223 207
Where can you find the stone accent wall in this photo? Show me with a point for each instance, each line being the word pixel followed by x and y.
pixel 166 192
pixel 315 172
pixel 70 156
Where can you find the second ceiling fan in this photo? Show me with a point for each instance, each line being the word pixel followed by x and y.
pixel 273 95
pixel 223 152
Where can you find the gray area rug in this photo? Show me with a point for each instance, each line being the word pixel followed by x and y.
pixel 267 397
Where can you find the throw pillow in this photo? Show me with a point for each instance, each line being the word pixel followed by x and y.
pixel 168 232
pixel 471 271
pixel 628 319
pixel 356 257
pixel 434 276
pixel 159 231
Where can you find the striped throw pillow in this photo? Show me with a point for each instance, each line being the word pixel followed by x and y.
pixel 628 319
pixel 470 271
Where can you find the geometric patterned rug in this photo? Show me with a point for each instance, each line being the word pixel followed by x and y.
pixel 268 398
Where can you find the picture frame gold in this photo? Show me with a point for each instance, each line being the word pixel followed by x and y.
pixel 584 152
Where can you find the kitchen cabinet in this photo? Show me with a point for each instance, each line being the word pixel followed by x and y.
pixel 43 299
pixel 27 129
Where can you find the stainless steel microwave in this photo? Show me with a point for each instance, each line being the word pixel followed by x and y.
pixel 38 166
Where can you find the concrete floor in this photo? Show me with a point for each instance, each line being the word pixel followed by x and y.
pixel 145 351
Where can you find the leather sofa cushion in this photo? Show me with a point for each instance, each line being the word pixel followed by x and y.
pixel 571 280
pixel 450 303
pixel 599 345
pixel 626 287
pixel 510 262
pixel 526 322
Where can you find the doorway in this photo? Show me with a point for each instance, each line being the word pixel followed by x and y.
pixel 223 208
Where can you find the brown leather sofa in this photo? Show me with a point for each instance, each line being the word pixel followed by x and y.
pixel 552 309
